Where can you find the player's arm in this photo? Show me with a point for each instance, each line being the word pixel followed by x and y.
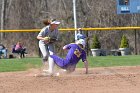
pixel 41 35
pixel 66 47
pixel 45 39
pixel 86 66
pixel 84 59
pixel 40 38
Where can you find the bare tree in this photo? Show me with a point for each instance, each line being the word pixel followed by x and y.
pixel 28 14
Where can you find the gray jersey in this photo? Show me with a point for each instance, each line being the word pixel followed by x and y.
pixel 46 32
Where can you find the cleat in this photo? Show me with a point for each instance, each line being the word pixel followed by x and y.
pixel 47 74
pixel 56 74
pixel 44 70
pixel 43 75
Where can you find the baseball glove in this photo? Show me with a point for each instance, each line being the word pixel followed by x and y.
pixel 49 40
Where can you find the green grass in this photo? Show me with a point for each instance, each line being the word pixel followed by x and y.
pixel 9 65
pixel 109 61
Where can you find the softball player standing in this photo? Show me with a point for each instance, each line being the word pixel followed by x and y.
pixel 47 36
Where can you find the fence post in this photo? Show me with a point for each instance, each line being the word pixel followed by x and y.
pixel 135 42
pixel 87 45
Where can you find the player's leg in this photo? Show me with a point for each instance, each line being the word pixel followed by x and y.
pixel 70 68
pixel 61 62
pixel 51 65
pixel 44 51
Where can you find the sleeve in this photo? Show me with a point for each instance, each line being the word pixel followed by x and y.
pixel 42 32
pixel 84 57
pixel 67 46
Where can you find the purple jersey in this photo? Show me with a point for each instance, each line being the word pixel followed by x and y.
pixel 75 53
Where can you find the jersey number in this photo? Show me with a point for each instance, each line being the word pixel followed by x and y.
pixel 77 53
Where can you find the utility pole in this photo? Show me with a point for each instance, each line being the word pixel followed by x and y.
pixel 74 15
pixel 2 18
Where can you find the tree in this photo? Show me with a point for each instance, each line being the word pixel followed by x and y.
pixel 96 44
pixel 124 42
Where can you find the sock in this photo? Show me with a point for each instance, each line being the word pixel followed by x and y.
pixel 51 65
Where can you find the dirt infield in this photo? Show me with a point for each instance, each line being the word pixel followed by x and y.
pixel 99 80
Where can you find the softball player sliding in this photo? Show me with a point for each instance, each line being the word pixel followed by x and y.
pixel 75 53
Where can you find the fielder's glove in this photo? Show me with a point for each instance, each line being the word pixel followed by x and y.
pixel 46 40
pixel 52 40
pixel 49 40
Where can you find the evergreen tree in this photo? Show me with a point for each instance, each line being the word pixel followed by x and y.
pixel 96 44
pixel 124 42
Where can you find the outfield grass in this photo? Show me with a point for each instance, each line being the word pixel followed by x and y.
pixel 7 65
